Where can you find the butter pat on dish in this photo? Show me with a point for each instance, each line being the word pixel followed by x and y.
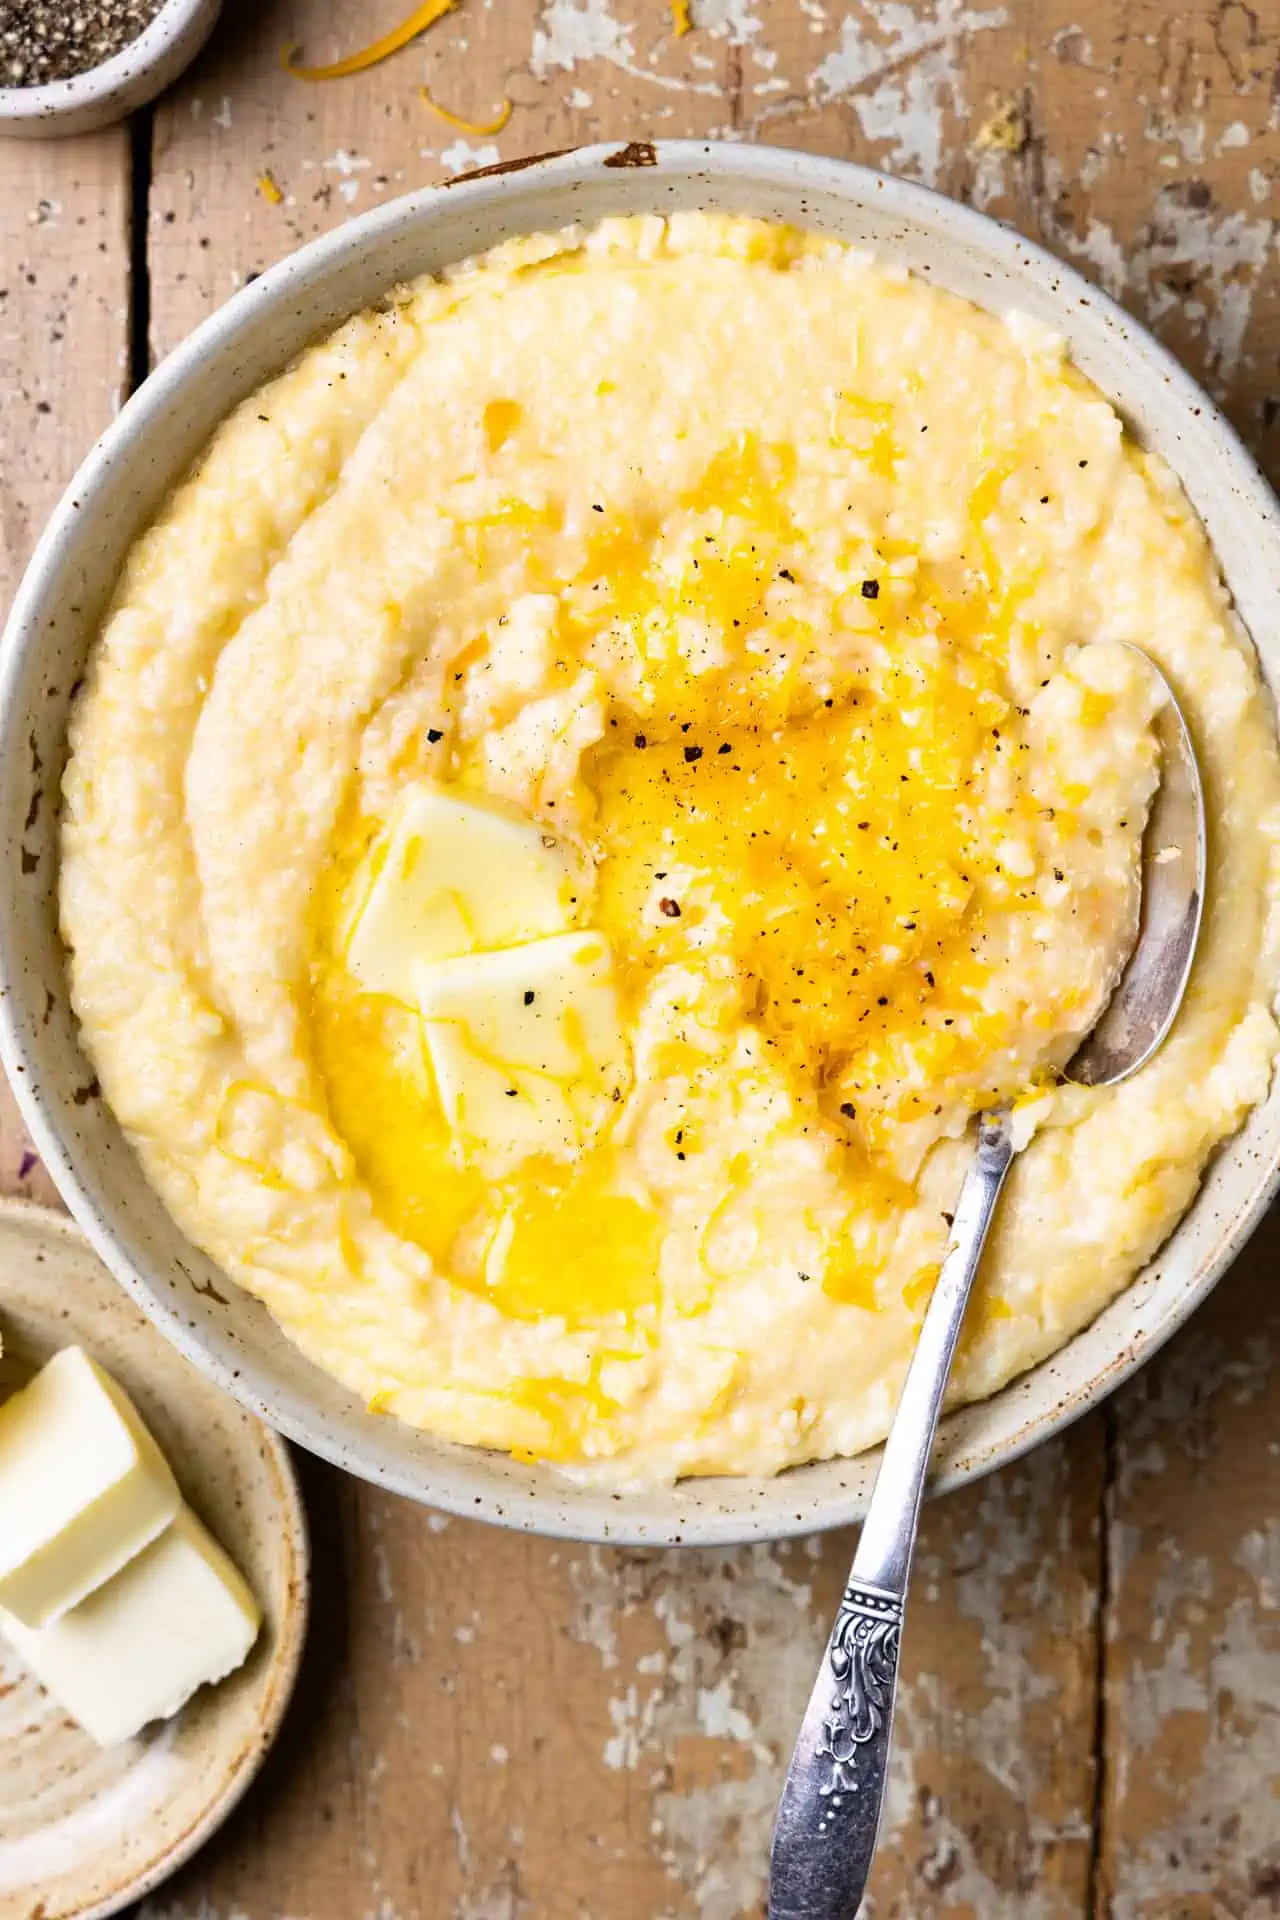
pixel 177 1617
pixel 83 1488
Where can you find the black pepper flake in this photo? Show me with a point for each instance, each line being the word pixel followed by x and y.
pixel 434 734
pixel 670 907
pixel 848 1109
pixel 871 589
pixel 595 508
pixel 511 1093
pixel 726 748
pixel 528 996
pixel 882 1000
pixel 692 753
pixel 785 573
pixel 641 741
pixel 1058 874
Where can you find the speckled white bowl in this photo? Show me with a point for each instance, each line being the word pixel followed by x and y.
pixel 108 92
pixel 59 606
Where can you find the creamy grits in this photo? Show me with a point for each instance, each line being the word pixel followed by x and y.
pixel 603 769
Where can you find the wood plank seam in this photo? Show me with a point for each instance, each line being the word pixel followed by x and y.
pixel 138 318
pixel 1097 1897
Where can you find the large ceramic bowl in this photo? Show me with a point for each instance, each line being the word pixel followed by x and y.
pixel 59 607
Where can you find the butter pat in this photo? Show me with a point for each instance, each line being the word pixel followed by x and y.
pixel 176 1618
pixel 453 878
pixel 83 1488
pixel 525 1044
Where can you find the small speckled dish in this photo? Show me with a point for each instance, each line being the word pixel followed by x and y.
pixel 84 1830
pixel 108 92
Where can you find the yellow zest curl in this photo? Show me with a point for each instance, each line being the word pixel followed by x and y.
pixel 681 18
pixel 469 126
pixel 419 20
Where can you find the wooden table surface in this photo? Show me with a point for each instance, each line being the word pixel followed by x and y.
pixel 489 1727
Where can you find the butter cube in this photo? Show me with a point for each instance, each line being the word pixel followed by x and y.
pixel 176 1618
pixel 83 1488
pixel 455 877
pixel 526 1044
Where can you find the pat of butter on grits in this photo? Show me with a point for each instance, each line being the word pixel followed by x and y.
pixel 177 1617
pixel 526 1043
pixel 453 878
pixel 83 1488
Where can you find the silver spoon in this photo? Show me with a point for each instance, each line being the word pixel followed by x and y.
pixel 829 1816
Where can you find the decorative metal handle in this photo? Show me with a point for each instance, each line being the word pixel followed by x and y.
pixel 829 1816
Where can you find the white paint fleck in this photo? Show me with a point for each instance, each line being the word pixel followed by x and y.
pixel 1236 135
pixel 718 1717
pixel 905 76
pixel 346 163
pixel 382 1573
pixel 573 30
pixel 461 157
pixel 735 20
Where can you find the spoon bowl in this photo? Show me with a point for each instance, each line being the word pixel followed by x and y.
pixel 1146 998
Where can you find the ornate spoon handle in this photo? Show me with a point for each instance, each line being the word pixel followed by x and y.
pixel 829 1816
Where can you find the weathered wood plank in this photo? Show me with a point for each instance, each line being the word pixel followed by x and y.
pixel 64 368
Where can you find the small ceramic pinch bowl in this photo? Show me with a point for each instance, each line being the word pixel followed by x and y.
pixel 61 603
pixel 106 93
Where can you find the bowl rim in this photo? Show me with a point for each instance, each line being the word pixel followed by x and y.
pixel 44 1114
pixel 79 91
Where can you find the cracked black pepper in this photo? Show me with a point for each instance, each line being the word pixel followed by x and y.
pixel 44 40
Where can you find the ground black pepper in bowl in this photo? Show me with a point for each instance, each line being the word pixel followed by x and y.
pixel 44 40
